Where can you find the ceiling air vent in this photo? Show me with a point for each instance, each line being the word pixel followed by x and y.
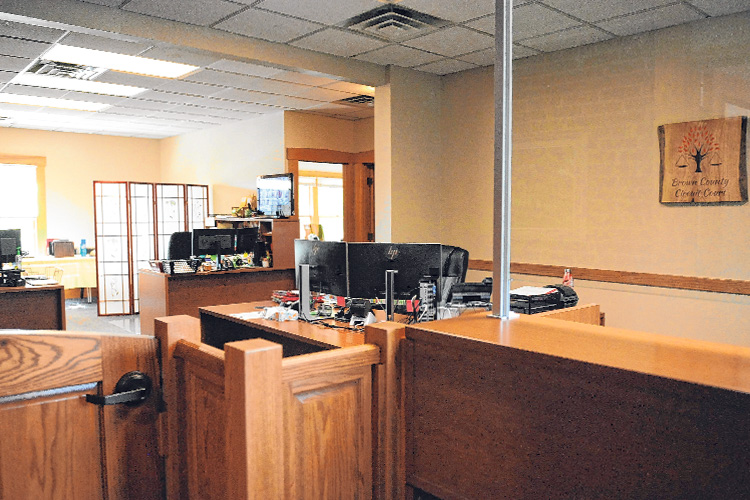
pixel 362 100
pixel 394 23
pixel 77 71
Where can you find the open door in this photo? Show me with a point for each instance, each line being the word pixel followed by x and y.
pixel 60 438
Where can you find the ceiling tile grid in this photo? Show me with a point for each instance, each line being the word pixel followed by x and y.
pixel 224 90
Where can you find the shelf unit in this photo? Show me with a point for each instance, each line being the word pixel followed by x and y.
pixel 278 234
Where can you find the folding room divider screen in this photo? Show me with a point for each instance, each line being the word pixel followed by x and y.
pixel 133 222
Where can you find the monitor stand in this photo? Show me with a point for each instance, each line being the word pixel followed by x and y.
pixel 390 274
pixel 304 292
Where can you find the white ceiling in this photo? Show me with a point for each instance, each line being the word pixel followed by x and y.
pixel 225 90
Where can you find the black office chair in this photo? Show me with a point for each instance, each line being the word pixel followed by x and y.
pixel 455 266
pixel 180 245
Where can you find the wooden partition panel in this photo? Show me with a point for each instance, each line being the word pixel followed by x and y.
pixel 589 314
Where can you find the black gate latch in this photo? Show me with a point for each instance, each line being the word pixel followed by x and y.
pixel 132 389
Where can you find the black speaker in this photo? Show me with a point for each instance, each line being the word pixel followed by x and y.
pixel 180 245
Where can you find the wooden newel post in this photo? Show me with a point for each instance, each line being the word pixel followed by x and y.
pixel 254 397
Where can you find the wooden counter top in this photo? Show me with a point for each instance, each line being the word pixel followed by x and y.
pixel 215 273
pixel 311 333
pixel 700 362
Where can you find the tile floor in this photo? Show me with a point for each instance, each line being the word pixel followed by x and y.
pixel 81 317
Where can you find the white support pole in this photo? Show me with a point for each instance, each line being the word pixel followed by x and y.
pixel 503 136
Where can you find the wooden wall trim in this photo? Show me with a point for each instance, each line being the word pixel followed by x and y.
pixel 329 155
pixel 717 285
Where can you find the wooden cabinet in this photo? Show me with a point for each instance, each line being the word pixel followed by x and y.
pixel 32 308
pixel 278 234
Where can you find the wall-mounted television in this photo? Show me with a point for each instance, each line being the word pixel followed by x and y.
pixel 276 195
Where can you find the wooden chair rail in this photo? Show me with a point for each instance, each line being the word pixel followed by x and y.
pixel 717 285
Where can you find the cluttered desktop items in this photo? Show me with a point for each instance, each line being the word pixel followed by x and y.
pixel 10 258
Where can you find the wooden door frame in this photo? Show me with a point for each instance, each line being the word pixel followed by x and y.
pixel 296 155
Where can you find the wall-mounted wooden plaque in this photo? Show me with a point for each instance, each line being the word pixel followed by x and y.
pixel 704 162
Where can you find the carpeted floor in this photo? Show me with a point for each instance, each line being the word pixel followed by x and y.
pixel 81 317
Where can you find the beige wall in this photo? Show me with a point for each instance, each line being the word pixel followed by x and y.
pixel 228 158
pixel 305 130
pixel 408 133
pixel 585 172
pixel 74 161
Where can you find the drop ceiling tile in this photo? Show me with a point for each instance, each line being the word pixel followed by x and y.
pixel 6 76
pixel 107 3
pixel 142 104
pixel 485 24
pixel 185 87
pixel 122 110
pixel 9 63
pixel 338 42
pixel 172 97
pixel 446 66
pixel 304 78
pixel 29 31
pixel 243 68
pixel 148 82
pixel 197 12
pixel 333 107
pixel 603 9
pixel 519 51
pixel 452 10
pixel 278 87
pixel 226 113
pixel 86 41
pixel 22 48
pixel 222 79
pixel 352 88
pixel 721 7
pixel 650 20
pixel 8 108
pixel 398 55
pixel 243 95
pixel 72 113
pixel 328 12
pixel 179 55
pixel 452 41
pixel 574 37
pixel 239 106
pixel 480 58
pixel 267 26
pixel 89 97
pixel 34 91
pixel 328 95
pixel 535 20
pixel 293 102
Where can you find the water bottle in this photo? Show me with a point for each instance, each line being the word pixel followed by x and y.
pixel 83 248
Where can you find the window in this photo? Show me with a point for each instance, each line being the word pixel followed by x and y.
pixel 22 203
pixel 321 200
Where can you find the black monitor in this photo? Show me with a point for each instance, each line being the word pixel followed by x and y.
pixel 276 195
pixel 213 242
pixel 10 242
pixel 247 239
pixel 368 263
pixel 327 261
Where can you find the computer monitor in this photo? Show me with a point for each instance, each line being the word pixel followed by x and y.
pixel 276 195
pixel 368 263
pixel 327 261
pixel 247 239
pixel 10 242
pixel 214 242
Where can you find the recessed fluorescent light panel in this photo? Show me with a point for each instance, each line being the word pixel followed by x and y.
pixel 118 62
pixel 52 102
pixel 64 83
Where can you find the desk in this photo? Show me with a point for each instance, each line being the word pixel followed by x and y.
pixel 32 308
pixel 544 408
pixel 296 337
pixel 78 272
pixel 170 295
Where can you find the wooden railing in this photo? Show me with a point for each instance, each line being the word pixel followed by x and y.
pixel 718 285
pixel 244 423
